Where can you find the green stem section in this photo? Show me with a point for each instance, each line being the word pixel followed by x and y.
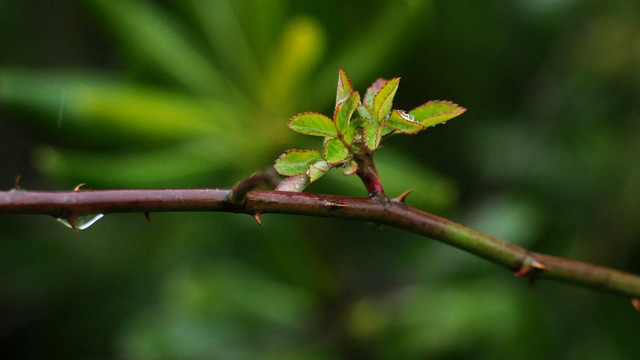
pixel 70 204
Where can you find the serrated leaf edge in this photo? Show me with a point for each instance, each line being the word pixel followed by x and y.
pixel 315 133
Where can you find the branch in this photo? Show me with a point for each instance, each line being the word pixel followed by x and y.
pixel 70 204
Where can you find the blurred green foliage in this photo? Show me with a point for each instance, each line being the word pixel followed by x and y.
pixel 197 93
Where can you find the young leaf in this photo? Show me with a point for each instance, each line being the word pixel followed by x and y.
pixel 355 124
pixel 372 135
pixel 312 124
pixel 295 183
pixel 335 151
pixel 344 86
pixel 317 169
pixel 372 91
pixel 350 168
pixel 294 162
pixel 383 100
pixel 403 122
pixel 344 110
pixel 435 112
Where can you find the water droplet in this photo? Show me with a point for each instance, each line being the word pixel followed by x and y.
pixel 81 222
pixel 406 116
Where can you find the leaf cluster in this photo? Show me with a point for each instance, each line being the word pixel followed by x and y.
pixel 355 131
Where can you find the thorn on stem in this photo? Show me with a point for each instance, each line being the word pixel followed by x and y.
pixel 72 223
pixel 256 217
pixel 148 216
pixel 402 197
pixel 636 303
pixel 77 188
pixel 16 184
pixel 333 205
pixel 528 264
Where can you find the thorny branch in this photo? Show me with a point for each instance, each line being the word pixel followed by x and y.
pixel 71 204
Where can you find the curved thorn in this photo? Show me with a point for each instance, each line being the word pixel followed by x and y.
pixel 72 222
pixel 16 184
pixel 148 216
pixel 256 217
pixel 636 303
pixel 402 197
pixel 77 188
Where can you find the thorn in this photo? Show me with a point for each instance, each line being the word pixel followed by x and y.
pixel 331 204
pixel 538 265
pixel 72 222
pixel 402 197
pixel 256 217
pixel 148 216
pixel 77 188
pixel 636 303
pixel 16 184
pixel 527 264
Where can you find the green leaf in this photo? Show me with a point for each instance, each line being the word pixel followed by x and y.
pixel 355 124
pixel 335 151
pixel 317 170
pixel 344 110
pixel 313 124
pixel 344 87
pixel 383 100
pixel 436 112
pixel 372 135
pixel 294 162
pixel 403 122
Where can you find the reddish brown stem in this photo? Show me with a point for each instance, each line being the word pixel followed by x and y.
pixel 369 175
pixel 70 204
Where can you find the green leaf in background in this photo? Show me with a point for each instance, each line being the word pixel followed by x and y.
pixel 154 32
pixel 344 86
pixel 294 162
pixel 383 100
pixel 335 151
pixel 344 110
pixel 403 122
pixel 436 112
pixel 311 123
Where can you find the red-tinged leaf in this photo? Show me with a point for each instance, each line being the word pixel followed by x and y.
pixel 295 183
pixel 335 151
pixel 436 112
pixel 311 123
pixel 383 100
pixel 372 91
pixel 344 111
pixel 344 86
pixel 294 162
pixel 403 122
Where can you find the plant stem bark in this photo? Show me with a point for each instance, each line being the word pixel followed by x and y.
pixel 70 204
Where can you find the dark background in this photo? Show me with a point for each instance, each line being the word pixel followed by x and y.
pixel 143 94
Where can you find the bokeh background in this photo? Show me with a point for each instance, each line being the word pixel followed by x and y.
pixel 153 94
